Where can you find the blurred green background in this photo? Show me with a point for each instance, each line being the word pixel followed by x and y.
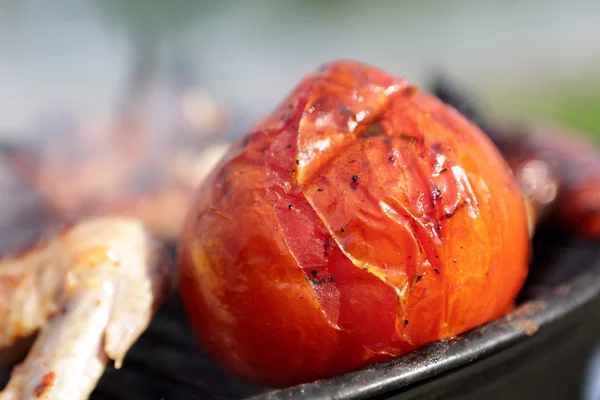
pixel 528 58
pixel 575 105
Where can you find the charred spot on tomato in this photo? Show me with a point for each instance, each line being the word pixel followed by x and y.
pixel 437 271
pixel 317 281
pixel 373 130
pixel 444 170
pixel 223 183
pixel 405 322
pixel 320 189
pixel 435 192
pixel 313 278
pixel 354 183
pixel 411 90
pixel 342 230
pixel 437 148
pixel 289 146
pixel 290 206
pixel 419 277
pixel 246 141
pixel 405 137
pixel 297 162
pixel 286 115
pixel 223 178
pixel 345 110
pixel 327 247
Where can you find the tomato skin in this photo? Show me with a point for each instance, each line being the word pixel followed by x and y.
pixel 359 221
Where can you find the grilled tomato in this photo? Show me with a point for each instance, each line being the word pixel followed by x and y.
pixel 360 220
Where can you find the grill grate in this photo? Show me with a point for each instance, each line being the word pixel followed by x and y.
pixel 167 363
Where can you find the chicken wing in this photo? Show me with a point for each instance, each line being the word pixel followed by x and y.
pixel 90 291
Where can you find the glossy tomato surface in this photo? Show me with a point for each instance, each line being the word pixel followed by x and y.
pixel 360 220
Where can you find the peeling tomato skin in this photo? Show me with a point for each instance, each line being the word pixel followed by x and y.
pixel 246 304
pixel 360 220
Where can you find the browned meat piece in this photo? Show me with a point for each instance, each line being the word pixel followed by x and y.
pixel 559 170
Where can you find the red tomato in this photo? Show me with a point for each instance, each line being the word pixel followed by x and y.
pixel 359 221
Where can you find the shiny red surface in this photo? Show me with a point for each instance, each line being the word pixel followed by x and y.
pixel 360 220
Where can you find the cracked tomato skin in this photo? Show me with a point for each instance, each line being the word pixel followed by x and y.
pixel 360 220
